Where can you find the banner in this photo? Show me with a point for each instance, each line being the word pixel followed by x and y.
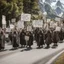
pixel 58 29
pixel 12 26
pixel 20 24
pixel 13 20
pixel 3 19
pixel 25 17
pixel 48 20
pixel 57 19
pixel 52 24
pixel 8 30
pixel 29 28
pixel 37 23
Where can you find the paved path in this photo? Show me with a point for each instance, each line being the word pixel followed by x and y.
pixel 48 58
pixel 23 56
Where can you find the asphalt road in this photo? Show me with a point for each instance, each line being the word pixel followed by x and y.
pixel 33 56
pixel 46 59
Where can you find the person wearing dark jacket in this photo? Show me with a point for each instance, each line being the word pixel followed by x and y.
pixel 30 41
pixel 61 36
pixel 36 34
pixel 22 38
pixel 15 40
pixel 40 39
pixel 55 38
pixel 48 40
pixel 10 36
pixel 2 40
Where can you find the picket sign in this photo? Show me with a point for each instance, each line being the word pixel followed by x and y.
pixel 3 19
pixel 58 28
pixel 37 23
pixel 29 28
pixel 57 19
pixel 25 17
pixel 12 26
pixel 48 20
pixel 8 30
pixel 20 24
pixel 13 20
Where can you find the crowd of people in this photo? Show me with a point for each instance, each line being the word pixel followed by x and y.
pixel 41 36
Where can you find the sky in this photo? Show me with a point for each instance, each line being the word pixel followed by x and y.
pixel 57 0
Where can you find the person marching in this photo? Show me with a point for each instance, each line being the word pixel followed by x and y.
pixel 48 38
pixel 2 40
pixel 22 38
pixel 27 38
pixel 10 37
pixel 30 41
pixel 63 29
pixel 36 34
pixel 55 38
pixel 15 39
pixel 40 39
pixel 61 35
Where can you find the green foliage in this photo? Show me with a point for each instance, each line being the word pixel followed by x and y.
pixel 30 6
pixel 27 7
pixel 14 8
pixel 35 7
pixel 11 8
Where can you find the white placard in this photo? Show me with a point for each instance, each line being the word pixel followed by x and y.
pixel 3 19
pixel 12 26
pixel 29 28
pixel 6 35
pixel 58 28
pixel 8 30
pixel 37 23
pixel 48 20
pixel 51 24
pixel 13 20
pixel 25 17
pixel 26 38
pixel 20 24
pixel 57 19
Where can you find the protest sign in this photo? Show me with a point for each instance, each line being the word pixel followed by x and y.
pixel 29 28
pixel 57 19
pixel 20 24
pixel 37 23
pixel 3 19
pixel 58 28
pixel 25 17
pixel 48 20
pixel 11 26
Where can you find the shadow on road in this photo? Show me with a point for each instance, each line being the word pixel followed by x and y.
pixel 27 49
pixel 13 49
pixel 3 50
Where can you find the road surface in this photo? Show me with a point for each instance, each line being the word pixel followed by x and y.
pixel 29 56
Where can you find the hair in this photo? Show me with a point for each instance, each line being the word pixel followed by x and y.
pixel 14 32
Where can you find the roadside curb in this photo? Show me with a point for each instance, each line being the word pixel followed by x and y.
pixel 52 59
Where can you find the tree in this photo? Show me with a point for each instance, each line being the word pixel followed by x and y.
pixel 31 6
pixel 27 7
pixel 35 9
pixel 11 8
